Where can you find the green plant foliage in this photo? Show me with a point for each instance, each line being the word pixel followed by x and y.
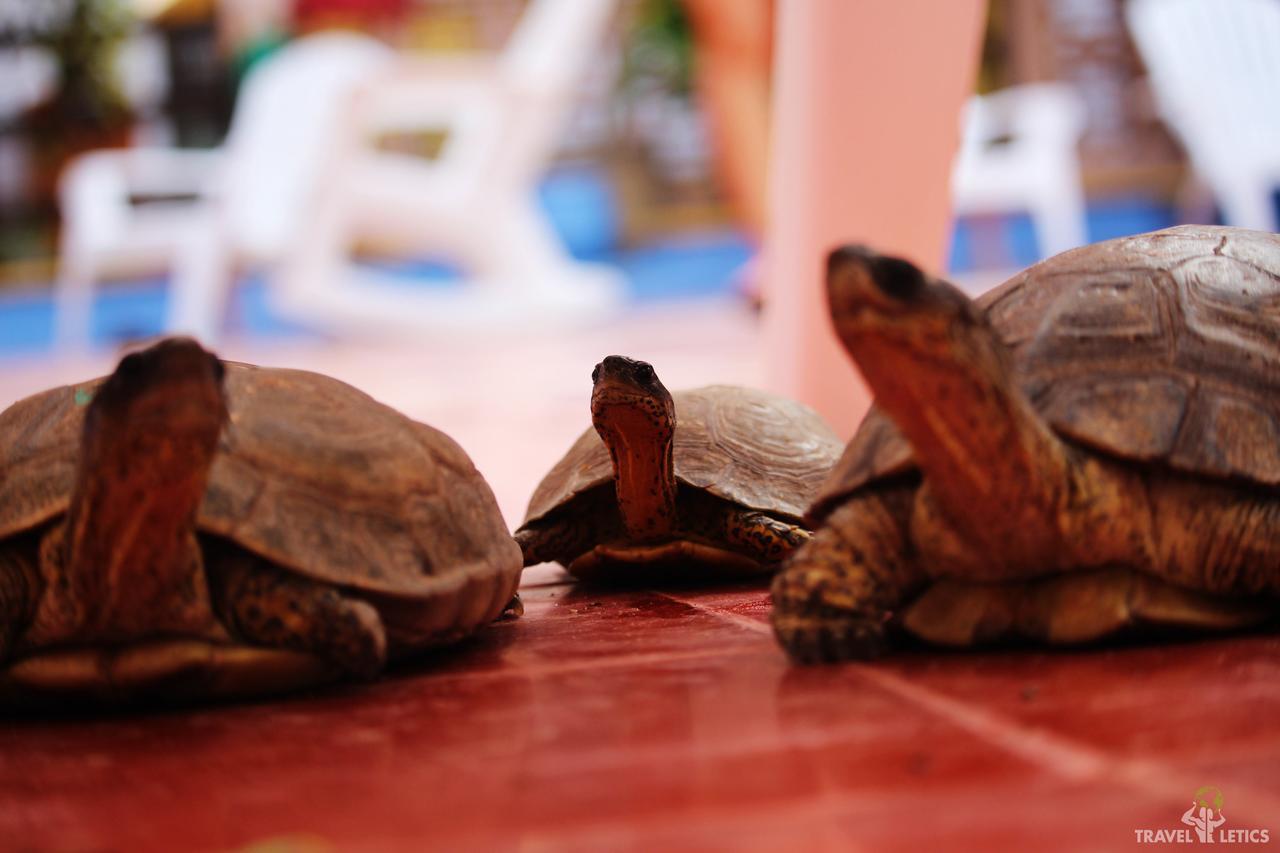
pixel 85 44
pixel 659 48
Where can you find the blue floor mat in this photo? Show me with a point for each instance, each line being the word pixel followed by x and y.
pixel 1009 242
pixel 684 267
pixel 688 267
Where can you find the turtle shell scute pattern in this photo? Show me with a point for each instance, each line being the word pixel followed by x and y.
pixel 311 473
pixel 755 449
pixel 1162 348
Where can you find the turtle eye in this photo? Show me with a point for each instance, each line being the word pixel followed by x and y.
pixel 645 372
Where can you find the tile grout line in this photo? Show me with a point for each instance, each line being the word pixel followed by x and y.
pixel 1075 761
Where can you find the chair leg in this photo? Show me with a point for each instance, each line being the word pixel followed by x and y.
pixel 73 301
pixel 1248 204
pixel 308 283
pixel 521 254
pixel 528 244
pixel 515 269
pixel 202 273
pixel 1060 224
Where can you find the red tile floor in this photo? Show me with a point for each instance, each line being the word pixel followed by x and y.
pixel 647 720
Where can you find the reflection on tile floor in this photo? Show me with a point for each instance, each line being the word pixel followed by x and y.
pixel 643 720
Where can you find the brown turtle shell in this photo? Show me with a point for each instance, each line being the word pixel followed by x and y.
pixel 1162 348
pixel 311 473
pixel 755 449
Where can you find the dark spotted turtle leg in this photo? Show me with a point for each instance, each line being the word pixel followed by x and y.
pixel 562 538
pixel 768 539
pixel 266 606
pixel 19 591
pixel 559 540
pixel 834 598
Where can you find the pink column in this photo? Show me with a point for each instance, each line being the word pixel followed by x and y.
pixel 867 97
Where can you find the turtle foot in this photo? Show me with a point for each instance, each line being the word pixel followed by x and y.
pixel 828 638
pixel 19 588
pixel 834 598
pixel 514 609
pixel 271 608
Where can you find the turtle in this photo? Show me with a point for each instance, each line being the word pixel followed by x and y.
pixel 189 528
pixel 1089 451
pixel 699 484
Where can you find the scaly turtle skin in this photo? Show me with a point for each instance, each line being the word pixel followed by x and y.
pixel 717 491
pixel 1093 447
pixel 185 528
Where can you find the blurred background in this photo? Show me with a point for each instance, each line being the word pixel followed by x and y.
pixel 461 205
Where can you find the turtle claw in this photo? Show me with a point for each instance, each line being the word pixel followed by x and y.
pixel 513 610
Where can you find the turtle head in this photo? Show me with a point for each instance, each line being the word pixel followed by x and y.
pixel 892 301
pixel 621 384
pixel 174 385
pixel 942 372
pixel 151 433
pixel 636 419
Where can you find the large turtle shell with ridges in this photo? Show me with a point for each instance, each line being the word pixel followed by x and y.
pixel 315 476
pixel 1163 349
pixel 746 446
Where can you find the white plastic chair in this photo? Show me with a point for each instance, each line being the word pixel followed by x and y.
pixel 243 199
pixel 1018 153
pixel 474 204
pixel 1214 67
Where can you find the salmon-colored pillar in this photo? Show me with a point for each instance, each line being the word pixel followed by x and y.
pixel 867 98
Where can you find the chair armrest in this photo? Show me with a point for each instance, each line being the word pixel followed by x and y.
pixel 145 171
pixel 421 92
pixel 96 189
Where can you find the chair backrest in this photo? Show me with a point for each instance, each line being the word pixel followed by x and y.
pixel 288 107
pixel 1039 116
pixel 1214 67
pixel 554 42
pixel 541 66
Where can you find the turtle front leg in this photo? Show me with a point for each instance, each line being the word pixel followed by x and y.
pixel 764 537
pixel 834 597
pixel 554 542
pixel 267 606
pixel 564 537
pixel 19 591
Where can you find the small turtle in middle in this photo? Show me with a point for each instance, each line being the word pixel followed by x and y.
pixel 719 491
